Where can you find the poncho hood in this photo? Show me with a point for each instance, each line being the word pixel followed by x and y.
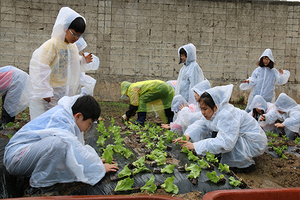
pixel 220 94
pixel 63 20
pixel 267 53
pixel 177 100
pixel 124 86
pixel 285 103
pixel 201 87
pixel 258 102
pixel 190 52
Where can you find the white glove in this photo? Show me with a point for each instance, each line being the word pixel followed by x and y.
pixel 124 117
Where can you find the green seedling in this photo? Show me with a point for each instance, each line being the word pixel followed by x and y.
pixel 125 184
pixel 139 163
pixel 192 156
pixel 161 160
pixel 168 169
pixel 185 150
pixel 211 157
pixel 233 182
pixel 270 144
pixel 24 116
pixel 297 140
pixel 224 167
pixel 149 186
pixel 101 141
pixel 195 171
pixel 125 172
pixel 169 186
pixel 140 169
pixel 202 163
pixel 213 176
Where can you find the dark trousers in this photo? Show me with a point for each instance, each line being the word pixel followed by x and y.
pixel 5 117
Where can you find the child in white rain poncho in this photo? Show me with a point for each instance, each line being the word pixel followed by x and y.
pixel 187 114
pixel 51 147
pixel 260 107
pixel 55 67
pixel 287 111
pixel 14 92
pixel 263 79
pixel 238 137
pixel 190 74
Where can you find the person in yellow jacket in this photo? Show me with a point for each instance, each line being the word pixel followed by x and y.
pixel 148 96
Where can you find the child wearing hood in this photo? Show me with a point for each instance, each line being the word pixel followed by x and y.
pixel 190 74
pixel 186 114
pixel 288 112
pixel 259 107
pixel 14 92
pixel 263 79
pixel 56 66
pixel 238 137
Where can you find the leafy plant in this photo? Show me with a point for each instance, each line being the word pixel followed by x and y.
pixel 139 163
pixel 107 155
pixel 127 153
pixel 202 163
pixel 140 169
pixel 24 116
pixel 224 167
pixel 235 183
pixel 149 186
pixel 161 160
pixel 195 171
pixel 271 134
pixel 9 135
pixel 297 140
pixel 280 151
pixel 101 129
pixel 169 186
pixel 192 156
pixel 101 140
pixel 125 172
pixel 213 176
pixel 150 145
pixel 184 150
pixel 168 169
pixel 211 157
pixel 125 184
pixel 285 137
pixel 270 144
pixel 161 145
pixel 184 138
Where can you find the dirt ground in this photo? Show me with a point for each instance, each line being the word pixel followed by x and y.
pixel 270 172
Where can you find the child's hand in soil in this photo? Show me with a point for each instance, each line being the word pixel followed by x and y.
pixel 188 145
pixel 110 167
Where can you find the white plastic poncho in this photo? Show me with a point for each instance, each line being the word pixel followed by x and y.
pixel 263 80
pixel 188 116
pixel 268 108
pixel 291 111
pixel 189 75
pixel 14 84
pixel 66 159
pixel 55 67
pixel 239 137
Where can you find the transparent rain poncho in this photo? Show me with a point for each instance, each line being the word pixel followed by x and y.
pixel 259 103
pixel 291 109
pixel 55 67
pixel 66 158
pixel 189 75
pixel 263 80
pixel 188 115
pixel 149 96
pixel 14 84
pixel 239 137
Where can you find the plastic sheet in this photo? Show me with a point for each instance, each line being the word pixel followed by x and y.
pixel 18 186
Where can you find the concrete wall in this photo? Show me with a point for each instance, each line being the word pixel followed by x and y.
pixel 138 39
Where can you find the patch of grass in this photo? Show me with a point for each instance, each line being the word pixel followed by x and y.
pixel 113 108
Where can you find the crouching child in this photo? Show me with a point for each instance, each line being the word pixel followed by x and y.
pixel 50 149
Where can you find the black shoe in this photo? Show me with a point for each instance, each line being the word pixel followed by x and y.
pixel 249 169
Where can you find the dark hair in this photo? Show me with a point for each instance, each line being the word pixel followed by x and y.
pixel 78 25
pixel 255 114
pixel 88 107
pixel 261 63
pixel 182 51
pixel 207 99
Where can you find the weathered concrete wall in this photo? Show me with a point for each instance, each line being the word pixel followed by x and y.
pixel 138 39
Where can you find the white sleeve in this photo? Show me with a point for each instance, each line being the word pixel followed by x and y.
pixel 281 79
pixel 197 131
